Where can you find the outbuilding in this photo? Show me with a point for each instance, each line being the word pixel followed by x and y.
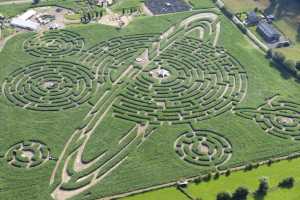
pixel 268 32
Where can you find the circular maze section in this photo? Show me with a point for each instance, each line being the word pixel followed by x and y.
pixel 27 154
pixel 54 44
pixel 203 148
pixel 281 119
pixel 195 81
pixel 49 86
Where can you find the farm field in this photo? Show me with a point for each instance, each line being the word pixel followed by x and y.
pixel 94 111
pixel 209 190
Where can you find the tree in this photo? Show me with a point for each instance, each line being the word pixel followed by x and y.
pixel 279 57
pixel 290 64
pixel 35 1
pixel 298 33
pixel 287 182
pixel 223 196
pixel 263 187
pixel 217 175
pixel 240 193
pixel 228 172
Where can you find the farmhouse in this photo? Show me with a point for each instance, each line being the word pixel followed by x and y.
pixel 166 6
pixel 268 32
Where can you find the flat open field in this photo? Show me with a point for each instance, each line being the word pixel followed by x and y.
pixel 93 111
pixel 209 190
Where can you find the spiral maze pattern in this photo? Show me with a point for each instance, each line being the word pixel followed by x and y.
pixel 203 148
pixel 49 86
pixel 278 118
pixel 27 154
pixel 54 44
pixel 203 82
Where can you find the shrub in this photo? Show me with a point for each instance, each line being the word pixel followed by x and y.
pixel 223 196
pixel 240 193
pixel 287 182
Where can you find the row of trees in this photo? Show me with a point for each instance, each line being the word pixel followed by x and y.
pixel 89 16
pixel 291 65
pixel 241 193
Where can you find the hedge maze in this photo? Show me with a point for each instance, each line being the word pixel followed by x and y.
pixel 204 82
pixel 54 44
pixel 203 148
pixel 279 118
pixel 49 86
pixel 177 77
pixel 110 58
pixel 27 154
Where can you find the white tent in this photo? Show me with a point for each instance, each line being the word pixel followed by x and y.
pixel 26 24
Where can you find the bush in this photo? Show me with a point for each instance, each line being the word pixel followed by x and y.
pixel 223 196
pixel 240 193
pixel 287 182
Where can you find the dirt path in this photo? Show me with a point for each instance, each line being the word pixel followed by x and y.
pixel 3 42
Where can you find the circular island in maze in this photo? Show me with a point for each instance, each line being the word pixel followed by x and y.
pixel 49 86
pixel 203 148
pixel 27 154
pixel 190 81
pixel 54 44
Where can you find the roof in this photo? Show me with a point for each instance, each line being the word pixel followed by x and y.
pixel 167 6
pixel 24 23
pixel 252 17
pixel 27 14
pixel 267 29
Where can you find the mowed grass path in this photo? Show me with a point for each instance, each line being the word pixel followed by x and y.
pixel 250 179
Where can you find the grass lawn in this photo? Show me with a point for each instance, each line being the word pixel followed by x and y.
pixel 240 5
pixel 275 173
pixel 126 4
pixel 250 179
pixel 163 194
pixel 199 4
